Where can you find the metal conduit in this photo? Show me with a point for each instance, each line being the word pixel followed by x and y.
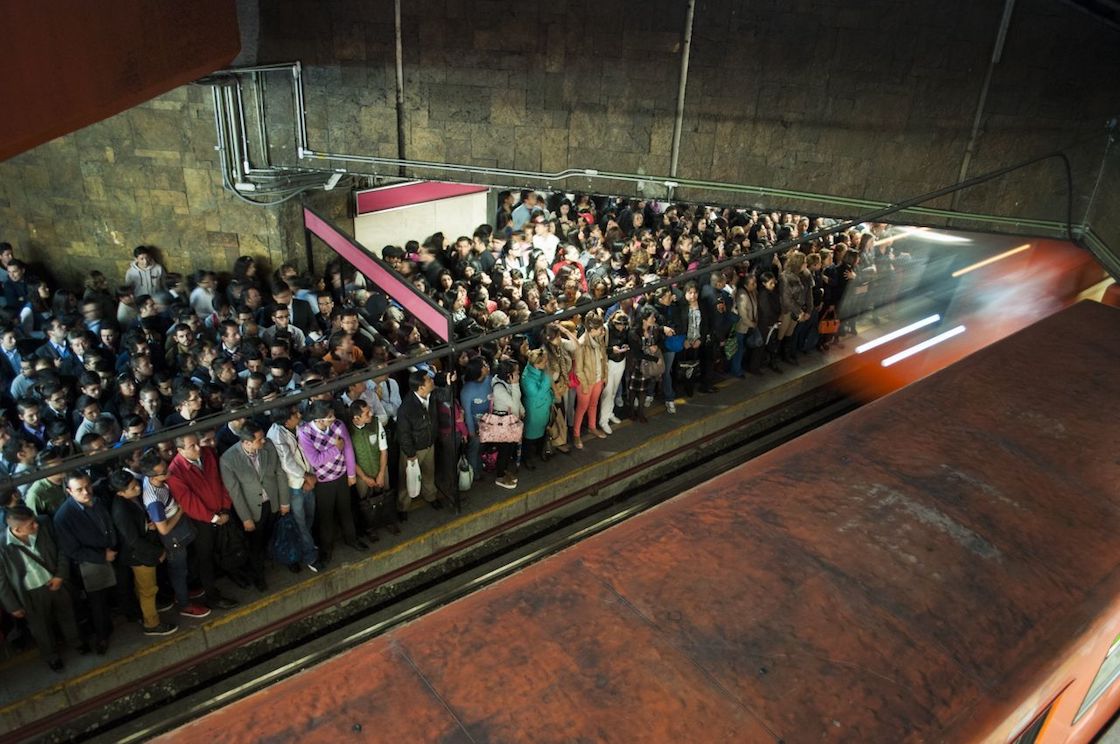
pixel 981 104
pixel 678 122
pixel 506 177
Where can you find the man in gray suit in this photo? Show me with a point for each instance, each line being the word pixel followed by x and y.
pixel 258 487
pixel 32 578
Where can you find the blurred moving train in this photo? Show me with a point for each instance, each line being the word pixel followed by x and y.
pixel 940 565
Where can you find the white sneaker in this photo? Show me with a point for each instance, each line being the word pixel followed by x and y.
pixel 670 406
pixel 649 401
pixel 606 428
pixel 615 419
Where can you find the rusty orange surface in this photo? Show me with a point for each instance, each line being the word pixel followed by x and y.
pixel 920 570
pixel 71 63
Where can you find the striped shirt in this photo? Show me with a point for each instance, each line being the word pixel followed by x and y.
pixel 158 501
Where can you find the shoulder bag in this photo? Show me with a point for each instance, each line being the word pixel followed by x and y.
pixel 674 343
pixel 754 338
pixel 97 576
pixel 557 430
pixel 653 369
pixel 499 427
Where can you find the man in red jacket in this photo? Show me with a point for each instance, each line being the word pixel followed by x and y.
pixel 195 479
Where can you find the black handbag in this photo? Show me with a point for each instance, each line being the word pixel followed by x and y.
pixel 230 548
pixel 97 576
pixel 754 338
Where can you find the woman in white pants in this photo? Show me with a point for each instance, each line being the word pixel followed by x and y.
pixel 617 352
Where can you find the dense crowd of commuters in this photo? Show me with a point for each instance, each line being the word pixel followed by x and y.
pixel 83 371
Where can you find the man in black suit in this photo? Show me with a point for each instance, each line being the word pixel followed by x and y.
pixel 55 347
pixel 299 312
pixel 416 437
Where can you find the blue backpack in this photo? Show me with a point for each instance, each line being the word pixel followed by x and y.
pixel 285 545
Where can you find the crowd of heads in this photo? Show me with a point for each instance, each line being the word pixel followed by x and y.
pixel 84 368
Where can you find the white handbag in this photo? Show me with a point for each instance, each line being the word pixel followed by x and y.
pixel 412 478
pixel 466 474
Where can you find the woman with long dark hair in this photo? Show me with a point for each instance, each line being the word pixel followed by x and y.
pixel 507 400
pixel 645 346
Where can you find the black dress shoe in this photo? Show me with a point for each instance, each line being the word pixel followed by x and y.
pixel 359 544
pixel 55 664
pixel 528 465
pixel 222 603
pixel 239 582
pixel 402 516
pixel 295 568
pixel 709 389
pixel 84 649
pixel 372 536
pixel 437 504
pixel 393 529
pixel 101 647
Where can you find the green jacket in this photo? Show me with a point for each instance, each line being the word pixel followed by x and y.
pixel 536 399
pixel 44 497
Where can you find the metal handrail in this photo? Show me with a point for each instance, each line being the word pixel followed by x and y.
pixel 511 177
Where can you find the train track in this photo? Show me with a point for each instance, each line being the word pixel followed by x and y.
pixel 426 593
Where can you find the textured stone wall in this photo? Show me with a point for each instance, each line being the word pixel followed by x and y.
pixel 872 99
pixel 149 175
pixel 869 99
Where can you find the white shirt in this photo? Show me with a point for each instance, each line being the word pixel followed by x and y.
pixel 390 397
pixel 292 459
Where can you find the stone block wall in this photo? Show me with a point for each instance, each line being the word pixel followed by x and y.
pixel 872 99
pixel 149 175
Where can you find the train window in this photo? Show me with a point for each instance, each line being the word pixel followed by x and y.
pixel 1031 734
pixel 1106 675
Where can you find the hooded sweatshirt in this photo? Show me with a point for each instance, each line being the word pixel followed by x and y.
pixel 144 281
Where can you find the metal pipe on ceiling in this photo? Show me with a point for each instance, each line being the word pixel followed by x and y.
pixel 682 87
pixel 400 85
pixel 982 102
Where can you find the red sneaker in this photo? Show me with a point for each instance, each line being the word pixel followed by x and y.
pixel 194 610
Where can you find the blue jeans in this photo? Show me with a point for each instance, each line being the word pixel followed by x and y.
pixel 667 378
pixel 177 572
pixel 474 453
pixel 303 509
pixel 736 367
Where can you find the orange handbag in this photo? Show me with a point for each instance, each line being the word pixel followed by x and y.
pixel 828 324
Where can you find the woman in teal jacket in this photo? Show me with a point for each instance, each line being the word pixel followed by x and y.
pixel 536 397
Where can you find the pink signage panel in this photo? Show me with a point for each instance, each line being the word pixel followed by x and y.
pixel 420 306
pixel 421 192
